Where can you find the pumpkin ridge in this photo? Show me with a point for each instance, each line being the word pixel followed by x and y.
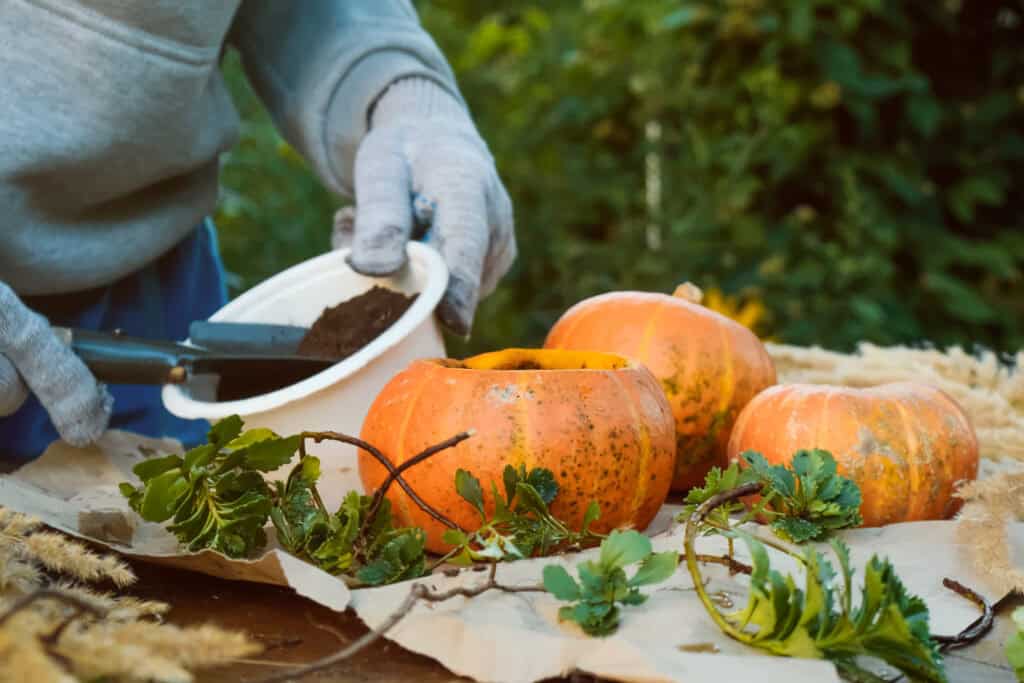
pixel 521 431
pixel 644 439
pixel 728 389
pixel 403 503
pixel 913 470
pixel 650 328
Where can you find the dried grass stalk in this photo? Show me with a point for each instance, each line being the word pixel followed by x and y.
pixel 988 388
pixel 990 504
pixel 79 634
pixel 60 554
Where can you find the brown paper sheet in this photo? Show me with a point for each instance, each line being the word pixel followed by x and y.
pixel 499 636
pixel 75 491
pixel 517 637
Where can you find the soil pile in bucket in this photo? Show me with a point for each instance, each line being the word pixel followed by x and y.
pixel 338 333
pixel 342 330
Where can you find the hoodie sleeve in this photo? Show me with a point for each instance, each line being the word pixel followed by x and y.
pixel 319 65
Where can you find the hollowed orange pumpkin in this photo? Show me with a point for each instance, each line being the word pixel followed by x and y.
pixel 709 366
pixel 598 421
pixel 905 444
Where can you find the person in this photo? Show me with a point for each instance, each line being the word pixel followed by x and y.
pixel 113 115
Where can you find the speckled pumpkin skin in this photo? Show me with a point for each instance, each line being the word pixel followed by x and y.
pixel 599 422
pixel 708 365
pixel 906 444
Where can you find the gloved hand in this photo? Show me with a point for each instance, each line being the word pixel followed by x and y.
pixel 423 146
pixel 32 355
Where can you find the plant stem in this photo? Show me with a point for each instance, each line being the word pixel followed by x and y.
pixel 734 565
pixel 977 629
pixel 383 460
pixel 693 524
pixel 441 560
pixel 396 472
pixel 770 542
pixel 416 593
pixel 44 593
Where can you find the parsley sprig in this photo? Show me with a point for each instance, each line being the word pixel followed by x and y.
pixel 522 524
pixel 603 584
pixel 804 502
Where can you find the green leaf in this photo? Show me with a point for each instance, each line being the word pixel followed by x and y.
pixel 455 537
pixel 592 514
pixel 376 573
pixel 269 454
pixel 655 569
pixel 623 548
pixel 224 430
pixel 510 477
pixel 163 493
pixel 249 437
pixel 399 559
pixel 558 582
pixel 924 114
pixel 959 299
pixel 1015 644
pixel 153 467
pixel 684 16
pixel 200 456
pixel 543 482
pixel 776 476
pixel 468 487
pixel 528 499
pixel 796 529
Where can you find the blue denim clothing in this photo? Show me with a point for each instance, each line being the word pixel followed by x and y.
pixel 158 302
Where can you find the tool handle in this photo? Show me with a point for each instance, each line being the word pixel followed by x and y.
pixel 255 338
pixel 116 359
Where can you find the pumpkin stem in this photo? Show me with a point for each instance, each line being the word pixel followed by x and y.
pixel 689 292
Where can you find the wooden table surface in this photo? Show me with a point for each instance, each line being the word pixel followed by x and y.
pixel 295 630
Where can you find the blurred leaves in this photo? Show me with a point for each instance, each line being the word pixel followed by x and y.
pixel 855 166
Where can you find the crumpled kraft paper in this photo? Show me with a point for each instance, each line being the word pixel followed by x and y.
pixel 75 490
pixel 501 636
pixel 516 637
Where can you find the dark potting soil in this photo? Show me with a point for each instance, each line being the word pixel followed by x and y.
pixel 342 330
pixel 338 333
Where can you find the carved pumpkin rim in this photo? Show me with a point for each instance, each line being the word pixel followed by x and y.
pixel 538 360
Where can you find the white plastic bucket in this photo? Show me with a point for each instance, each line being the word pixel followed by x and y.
pixel 338 398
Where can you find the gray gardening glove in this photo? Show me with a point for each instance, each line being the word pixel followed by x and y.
pixel 32 355
pixel 423 161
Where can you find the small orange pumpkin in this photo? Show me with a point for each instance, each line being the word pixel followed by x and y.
pixel 598 421
pixel 905 444
pixel 709 366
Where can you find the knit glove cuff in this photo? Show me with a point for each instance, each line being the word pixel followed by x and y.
pixel 36 360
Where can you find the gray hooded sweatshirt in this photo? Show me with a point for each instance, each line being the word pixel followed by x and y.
pixel 113 114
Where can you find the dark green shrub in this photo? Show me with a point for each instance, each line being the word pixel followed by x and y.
pixel 855 165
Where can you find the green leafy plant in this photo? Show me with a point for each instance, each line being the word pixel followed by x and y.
pixel 603 584
pixel 1015 644
pixel 522 524
pixel 349 541
pixel 821 620
pixel 216 497
pixel 804 502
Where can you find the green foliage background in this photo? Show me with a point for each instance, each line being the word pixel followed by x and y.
pixel 856 165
